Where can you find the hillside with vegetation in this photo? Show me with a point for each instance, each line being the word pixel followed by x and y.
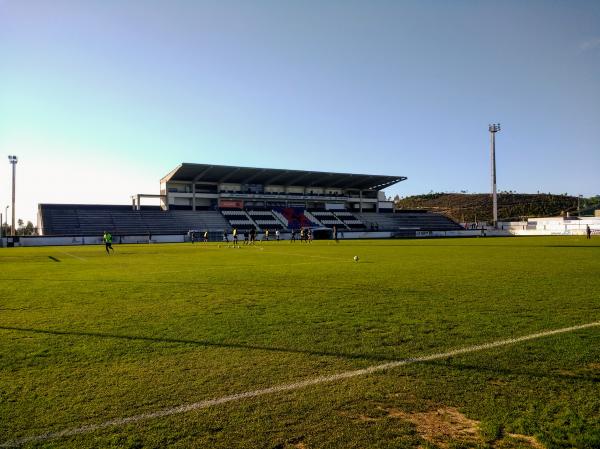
pixel 473 207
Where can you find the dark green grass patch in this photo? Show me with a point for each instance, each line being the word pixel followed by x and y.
pixel 99 337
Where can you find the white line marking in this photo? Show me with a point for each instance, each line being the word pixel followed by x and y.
pixel 73 255
pixel 287 387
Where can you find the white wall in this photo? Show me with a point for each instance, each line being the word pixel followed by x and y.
pixel 561 226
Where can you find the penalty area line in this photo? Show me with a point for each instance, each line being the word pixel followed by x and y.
pixel 289 386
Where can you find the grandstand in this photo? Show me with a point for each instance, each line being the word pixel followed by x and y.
pixel 403 221
pixel 85 219
pixel 217 198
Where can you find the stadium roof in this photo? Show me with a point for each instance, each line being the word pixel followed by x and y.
pixel 277 176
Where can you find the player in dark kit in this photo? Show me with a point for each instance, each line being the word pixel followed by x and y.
pixel 107 238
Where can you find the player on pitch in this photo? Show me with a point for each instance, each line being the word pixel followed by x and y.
pixel 107 239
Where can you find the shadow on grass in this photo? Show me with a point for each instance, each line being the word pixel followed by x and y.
pixel 448 363
pixel 205 343
pixel 516 371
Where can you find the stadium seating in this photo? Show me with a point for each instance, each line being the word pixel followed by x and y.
pixel 210 220
pixel 328 219
pixel 85 220
pixel 265 219
pixel 59 221
pixel 239 219
pixel 88 220
pixel 295 217
pixel 350 220
pixel 408 221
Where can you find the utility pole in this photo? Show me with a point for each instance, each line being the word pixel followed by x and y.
pixel 13 160
pixel 494 128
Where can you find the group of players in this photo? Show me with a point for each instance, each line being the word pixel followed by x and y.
pixel 249 236
pixel 305 235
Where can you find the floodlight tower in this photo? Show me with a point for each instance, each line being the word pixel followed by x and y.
pixel 13 160
pixel 494 128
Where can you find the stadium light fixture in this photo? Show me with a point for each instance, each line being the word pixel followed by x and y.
pixel 494 128
pixel 12 159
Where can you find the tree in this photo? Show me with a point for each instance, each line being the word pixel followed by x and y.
pixel 19 230
pixel 27 229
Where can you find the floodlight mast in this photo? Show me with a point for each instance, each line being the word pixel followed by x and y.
pixel 13 160
pixel 494 128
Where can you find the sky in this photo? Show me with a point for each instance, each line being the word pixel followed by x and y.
pixel 100 99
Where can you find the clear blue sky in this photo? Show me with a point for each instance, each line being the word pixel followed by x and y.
pixel 100 99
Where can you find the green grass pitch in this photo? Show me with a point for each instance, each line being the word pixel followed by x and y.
pixel 86 338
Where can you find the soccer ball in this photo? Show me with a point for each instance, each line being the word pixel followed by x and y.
pixel 355 258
